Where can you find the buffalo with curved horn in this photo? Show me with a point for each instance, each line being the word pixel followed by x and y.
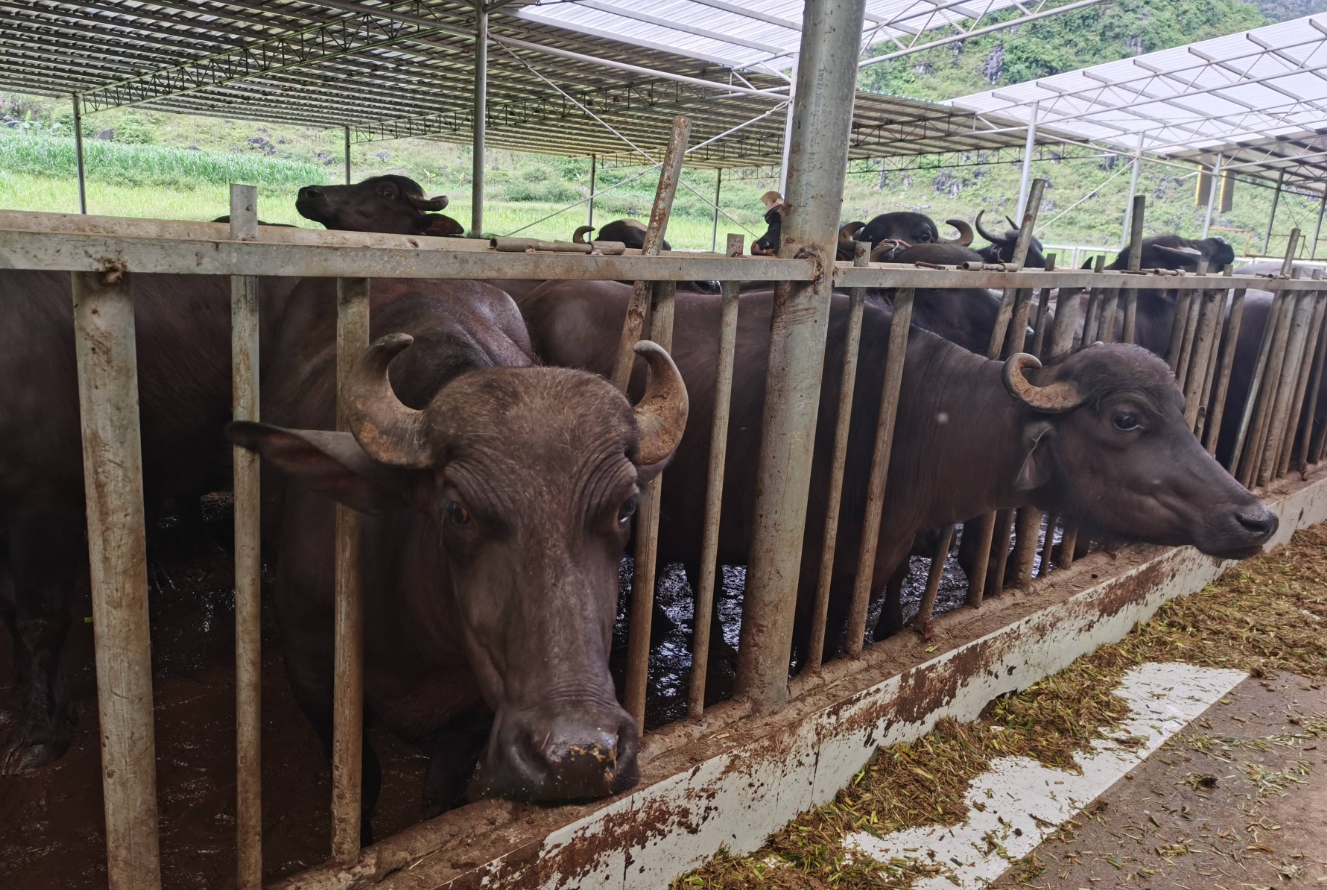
pixel 1001 248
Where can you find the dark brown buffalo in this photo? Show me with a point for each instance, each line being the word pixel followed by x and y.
pixel 498 496
pixel 1001 247
pixel 1099 438
pixel 182 326
pixel 1174 252
pixel 910 228
pixel 392 204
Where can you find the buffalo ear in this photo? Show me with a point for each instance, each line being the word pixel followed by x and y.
pixel 437 225
pixel 331 464
pixel 1039 461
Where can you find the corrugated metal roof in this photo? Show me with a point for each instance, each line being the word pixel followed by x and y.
pixel 1259 98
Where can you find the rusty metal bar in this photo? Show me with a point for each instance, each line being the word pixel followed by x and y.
pixel 80 165
pixel 926 610
pixel 818 158
pixel 1304 450
pixel 1250 417
pixel 1005 518
pixel 352 338
pixel 248 557
pixel 1271 383
pixel 1285 388
pixel 875 488
pixel 1127 335
pixel 669 176
pixel 1043 312
pixel 1192 310
pixel 1198 381
pixel 709 548
pixel 851 348
pixel 1213 350
pixel 1225 363
pixel 1027 524
pixel 106 353
pixel 1179 329
pixel 1062 338
pixel 662 313
pixel 985 527
pixel 1303 369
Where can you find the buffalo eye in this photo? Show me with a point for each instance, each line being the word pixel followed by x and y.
pixel 627 510
pixel 456 514
pixel 386 193
pixel 1125 422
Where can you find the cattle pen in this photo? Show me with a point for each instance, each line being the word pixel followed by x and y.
pixel 730 773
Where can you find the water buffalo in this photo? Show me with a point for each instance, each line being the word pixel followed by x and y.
pixel 392 204
pixel 498 497
pixel 1001 248
pixel 1099 437
pixel 182 328
pixel 1174 252
pixel 910 228
pixel 630 232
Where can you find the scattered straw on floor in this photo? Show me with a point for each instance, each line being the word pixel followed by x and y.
pixel 1267 614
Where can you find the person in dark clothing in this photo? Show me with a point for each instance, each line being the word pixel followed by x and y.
pixel 768 244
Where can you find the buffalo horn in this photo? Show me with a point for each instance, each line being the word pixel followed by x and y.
pixel 579 235
pixel 848 230
pixel 387 430
pixel 986 233
pixel 1056 398
pixel 419 202
pixel 1013 225
pixel 964 233
pixel 661 414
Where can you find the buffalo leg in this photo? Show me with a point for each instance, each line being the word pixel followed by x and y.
pixel 45 550
pixel 453 757
pixel 891 616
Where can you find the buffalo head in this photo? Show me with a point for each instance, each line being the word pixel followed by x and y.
pixel 911 228
pixel 392 204
pixel 630 232
pixel 1174 252
pixel 1106 444
pixel 1001 248
pixel 528 478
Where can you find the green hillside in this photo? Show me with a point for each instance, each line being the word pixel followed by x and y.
pixel 145 163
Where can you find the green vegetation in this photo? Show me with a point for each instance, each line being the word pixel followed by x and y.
pixel 147 163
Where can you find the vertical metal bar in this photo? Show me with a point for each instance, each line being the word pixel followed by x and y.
pixel 669 175
pixel 1062 338
pixel 1225 363
pixel 647 539
pixel 1043 312
pixel 985 527
pixel 479 150
pixel 1271 220
pixel 1317 228
pixel 1131 209
pixel 875 487
pixel 1179 323
pixel 851 347
pixel 788 124
pixel 1127 335
pixel 926 609
pixel 1212 191
pixel 1092 317
pixel 248 556
pixel 1027 525
pixel 1250 417
pixel 1303 368
pixel 1005 518
pixel 718 190
pixel 1028 147
pixel 1285 387
pixel 1196 380
pixel 594 167
pixel 822 120
pixel 78 156
pixel 106 353
pixel 1052 520
pixel 1283 303
pixel 1311 403
pixel 352 338
pixel 347 151
pixel 1209 376
pixel 709 548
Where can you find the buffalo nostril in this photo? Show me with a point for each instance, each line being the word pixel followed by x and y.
pixel 1259 521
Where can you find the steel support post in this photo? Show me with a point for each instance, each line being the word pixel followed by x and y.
pixel 718 190
pixel 709 548
pixel 1133 193
pixel 248 556
pixel 346 133
pixel 1026 180
pixel 818 160
pixel 480 121
pixel 594 169
pixel 1212 192
pixel 352 338
pixel 788 125
pixel 79 162
pixel 106 355
pixel 1271 219
pixel 1317 228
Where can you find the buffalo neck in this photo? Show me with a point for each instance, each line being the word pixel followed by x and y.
pixel 963 436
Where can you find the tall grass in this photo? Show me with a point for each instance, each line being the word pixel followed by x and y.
pixel 149 165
